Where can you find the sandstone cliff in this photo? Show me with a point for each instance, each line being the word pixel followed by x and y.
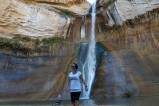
pixel 120 11
pixel 49 18
pixel 39 18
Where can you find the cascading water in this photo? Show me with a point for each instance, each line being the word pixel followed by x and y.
pixel 89 66
pixel 83 28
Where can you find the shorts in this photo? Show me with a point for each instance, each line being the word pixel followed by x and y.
pixel 75 96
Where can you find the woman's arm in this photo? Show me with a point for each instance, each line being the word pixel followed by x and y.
pixel 83 81
pixel 68 84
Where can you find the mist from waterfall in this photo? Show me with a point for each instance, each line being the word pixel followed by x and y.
pixel 89 66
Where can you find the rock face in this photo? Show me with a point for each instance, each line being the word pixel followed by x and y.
pixel 78 7
pixel 122 10
pixel 130 67
pixel 38 18
pixel 36 77
pixel 49 18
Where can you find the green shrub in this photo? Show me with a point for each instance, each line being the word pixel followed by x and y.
pixel 51 41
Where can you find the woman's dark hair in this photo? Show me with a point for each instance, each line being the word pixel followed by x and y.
pixel 76 66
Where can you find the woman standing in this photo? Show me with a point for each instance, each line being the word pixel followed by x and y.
pixel 75 79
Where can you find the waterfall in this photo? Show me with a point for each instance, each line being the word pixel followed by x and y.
pixel 89 66
pixel 83 28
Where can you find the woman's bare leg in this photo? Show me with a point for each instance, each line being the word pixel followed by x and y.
pixel 73 103
pixel 76 103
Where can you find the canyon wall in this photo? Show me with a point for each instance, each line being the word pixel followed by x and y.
pixel 47 33
pixel 39 18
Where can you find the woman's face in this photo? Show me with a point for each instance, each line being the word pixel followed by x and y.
pixel 73 67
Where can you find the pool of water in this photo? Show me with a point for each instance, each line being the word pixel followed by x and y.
pixel 134 101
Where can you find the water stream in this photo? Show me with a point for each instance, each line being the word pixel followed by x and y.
pixel 89 66
pixel 83 28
